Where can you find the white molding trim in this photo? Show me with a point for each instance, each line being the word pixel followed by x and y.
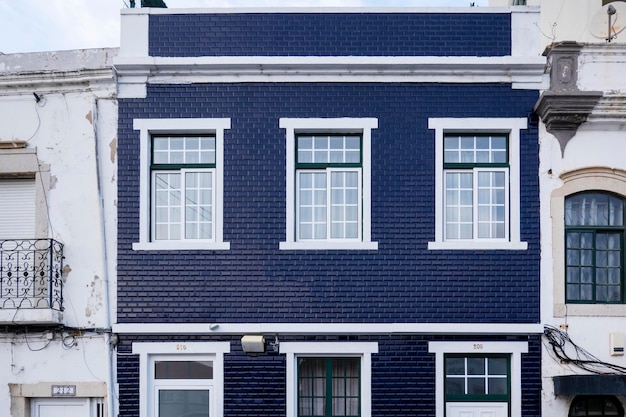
pixel 134 72
pixel 362 350
pixel 512 127
pixel 291 125
pixel 330 328
pixel 147 349
pixel 318 10
pixel 146 128
pixel 516 349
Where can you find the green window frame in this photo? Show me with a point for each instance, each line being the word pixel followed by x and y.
pixel 476 186
pixel 329 386
pixel 594 248
pixel 477 378
pixel 183 187
pixel 329 184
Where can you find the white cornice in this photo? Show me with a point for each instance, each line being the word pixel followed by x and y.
pixel 330 328
pixel 53 81
pixel 135 72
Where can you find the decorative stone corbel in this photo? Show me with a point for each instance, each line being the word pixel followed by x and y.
pixel 563 108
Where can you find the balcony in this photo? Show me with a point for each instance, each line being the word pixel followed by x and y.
pixel 31 284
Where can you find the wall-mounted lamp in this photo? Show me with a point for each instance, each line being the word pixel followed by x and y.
pixel 253 343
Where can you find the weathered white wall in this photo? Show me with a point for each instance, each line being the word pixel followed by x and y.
pixel 73 129
pixel 599 142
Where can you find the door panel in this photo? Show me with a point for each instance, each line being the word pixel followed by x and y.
pixel 477 409
pixel 60 407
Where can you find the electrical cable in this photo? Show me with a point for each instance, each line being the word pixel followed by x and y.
pixel 561 343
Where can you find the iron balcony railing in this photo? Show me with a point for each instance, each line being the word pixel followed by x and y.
pixel 31 274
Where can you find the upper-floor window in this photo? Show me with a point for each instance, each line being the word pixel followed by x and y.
pixel 328 183
pixel 476 178
pixel 477 183
pixel 594 241
pixel 183 187
pixel 181 177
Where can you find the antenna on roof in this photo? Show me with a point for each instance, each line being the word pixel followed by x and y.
pixel 610 20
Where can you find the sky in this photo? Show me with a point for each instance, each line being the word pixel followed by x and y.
pixel 52 25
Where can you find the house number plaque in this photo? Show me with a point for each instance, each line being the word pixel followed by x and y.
pixel 63 390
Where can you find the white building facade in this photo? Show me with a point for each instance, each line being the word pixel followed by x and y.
pixel 58 113
pixel 583 194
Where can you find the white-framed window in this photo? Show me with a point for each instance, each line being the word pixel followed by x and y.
pixel 183 378
pixel 181 183
pixel 329 378
pixel 478 378
pixel 328 182
pixel 477 183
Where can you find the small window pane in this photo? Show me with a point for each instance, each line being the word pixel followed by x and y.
pixel 497 386
pixel 476 386
pixel 455 386
pixel 183 369
pixel 177 403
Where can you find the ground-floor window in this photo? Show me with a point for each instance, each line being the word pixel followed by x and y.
pixel 329 387
pixel 595 405
pixel 328 379
pixel 181 379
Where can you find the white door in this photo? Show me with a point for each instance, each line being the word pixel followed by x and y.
pixel 60 407
pixel 477 409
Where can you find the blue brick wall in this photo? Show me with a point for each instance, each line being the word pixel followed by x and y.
pixel 330 34
pixel 255 282
pixel 403 376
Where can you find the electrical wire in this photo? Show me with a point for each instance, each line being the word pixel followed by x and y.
pixel 561 344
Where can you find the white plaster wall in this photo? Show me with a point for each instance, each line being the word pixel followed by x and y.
pixel 597 143
pixel 74 130
pixel 565 20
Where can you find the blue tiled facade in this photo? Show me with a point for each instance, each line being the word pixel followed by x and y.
pixel 401 282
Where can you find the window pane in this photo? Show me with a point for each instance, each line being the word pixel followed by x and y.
pixel 344 206
pixel 177 403
pixel 497 386
pixel 183 369
pixel 198 205
pixel 497 366
pixel 476 386
pixel 183 150
pixel 455 366
pixel 167 190
pixel 455 386
pixel 312 205
pixel 476 366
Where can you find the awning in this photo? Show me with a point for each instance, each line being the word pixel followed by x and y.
pixel 590 385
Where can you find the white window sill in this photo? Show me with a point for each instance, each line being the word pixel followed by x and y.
pixel 181 245
pixel 475 245
pixel 326 245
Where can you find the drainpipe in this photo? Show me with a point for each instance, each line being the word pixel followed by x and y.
pixel 108 336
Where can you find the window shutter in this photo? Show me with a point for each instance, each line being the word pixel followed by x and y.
pixel 17 209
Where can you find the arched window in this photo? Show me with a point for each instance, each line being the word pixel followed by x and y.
pixel 594 243
pixel 595 405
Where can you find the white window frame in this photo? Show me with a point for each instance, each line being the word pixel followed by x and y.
pixel 148 352
pixel 509 126
pixel 149 127
pixel 515 349
pixel 328 125
pixel 362 350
